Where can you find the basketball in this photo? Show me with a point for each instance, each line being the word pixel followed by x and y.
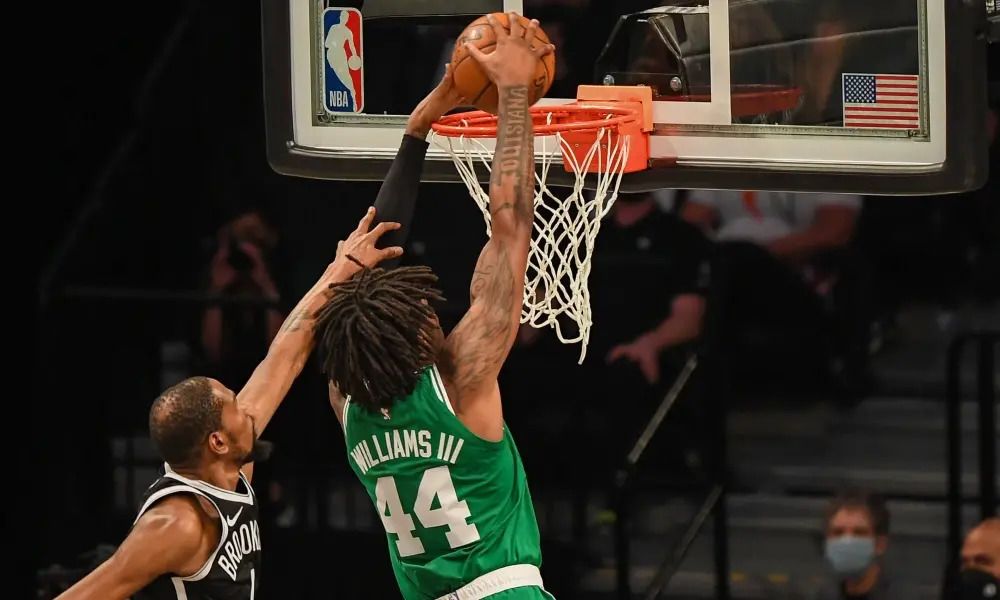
pixel 472 82
pixel 354 63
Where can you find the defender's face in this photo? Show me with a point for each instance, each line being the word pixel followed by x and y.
pixel 236 438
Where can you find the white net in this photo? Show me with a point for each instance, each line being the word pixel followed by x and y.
pixel 567 221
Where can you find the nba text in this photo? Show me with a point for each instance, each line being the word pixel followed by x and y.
pixel 406 443
pixel 337 99
pixel 242 541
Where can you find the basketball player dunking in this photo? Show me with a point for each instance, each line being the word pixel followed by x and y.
pixel 421 413
pixel 196 535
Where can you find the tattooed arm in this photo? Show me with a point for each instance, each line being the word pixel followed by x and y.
pixel 290 349
pixel 479 345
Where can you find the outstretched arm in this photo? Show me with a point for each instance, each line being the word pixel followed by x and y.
pixel 479 345
pixel 291 347
pixel 398 195
pixel 168 539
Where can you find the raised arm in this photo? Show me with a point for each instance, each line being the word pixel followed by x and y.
pixel 478 346
pixel 168 539
pixel 397 198
pixel 291 347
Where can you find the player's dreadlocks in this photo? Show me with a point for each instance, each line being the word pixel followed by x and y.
pixel 375 333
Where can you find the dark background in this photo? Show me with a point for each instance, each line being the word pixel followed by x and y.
pixel 151 167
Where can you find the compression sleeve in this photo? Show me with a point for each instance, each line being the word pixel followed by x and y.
pixel 398 195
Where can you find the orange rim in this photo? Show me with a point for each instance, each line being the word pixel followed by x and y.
pixel 564 117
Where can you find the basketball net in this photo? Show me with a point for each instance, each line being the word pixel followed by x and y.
pixel 566 224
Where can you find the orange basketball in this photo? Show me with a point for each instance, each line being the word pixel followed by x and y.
pixel 472 82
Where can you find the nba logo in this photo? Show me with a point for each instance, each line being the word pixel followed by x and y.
pixel 343 65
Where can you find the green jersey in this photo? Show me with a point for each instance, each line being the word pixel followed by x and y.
pixel 454 506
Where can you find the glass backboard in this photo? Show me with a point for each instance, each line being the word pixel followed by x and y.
pixel 749 94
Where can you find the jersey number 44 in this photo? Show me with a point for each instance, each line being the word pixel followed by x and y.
pixel 452 512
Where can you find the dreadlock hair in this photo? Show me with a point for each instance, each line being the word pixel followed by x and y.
pixel 374 333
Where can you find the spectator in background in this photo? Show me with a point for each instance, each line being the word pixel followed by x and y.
pixel 782 251
pixel 644 257
pixel 234 336
pixel 642 249
pixel 632 269
pixel 857 536
pixel 979 578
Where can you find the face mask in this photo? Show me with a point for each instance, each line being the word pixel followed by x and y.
pixel 849 555
pixel 974 584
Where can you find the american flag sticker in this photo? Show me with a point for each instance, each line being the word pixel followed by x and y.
pixel 881 101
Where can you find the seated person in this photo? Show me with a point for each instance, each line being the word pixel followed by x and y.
pixel 856 528
pixel 774 244
pixel 979 577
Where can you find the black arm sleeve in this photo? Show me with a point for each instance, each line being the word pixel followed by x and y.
pixel 398 195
